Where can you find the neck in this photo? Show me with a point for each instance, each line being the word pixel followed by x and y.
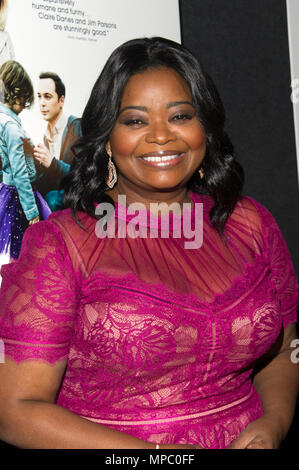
pixel 10 107
pixel 53 122
pixel 178 195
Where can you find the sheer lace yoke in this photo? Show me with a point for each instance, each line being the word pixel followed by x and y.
pixel 219 272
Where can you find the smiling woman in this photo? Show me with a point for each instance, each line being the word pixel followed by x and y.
pixel 133 342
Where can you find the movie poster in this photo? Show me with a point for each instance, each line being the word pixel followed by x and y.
pixel 74 38
pixel 293 15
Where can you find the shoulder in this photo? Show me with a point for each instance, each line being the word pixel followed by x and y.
pixel 5 118
pixel 60 233
pixel 254 212
pixel 252 216
pixel 247 208
pixel 74 124
pixel 73 121
pixel 66 223
pixel 70 119
pixel 61 223
pixel 9 118
pixel 11 129
pixel 79 236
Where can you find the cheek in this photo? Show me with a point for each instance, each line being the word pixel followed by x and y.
pixel 53 106
pixel 194 137
pixel 123 144
pixel 197 140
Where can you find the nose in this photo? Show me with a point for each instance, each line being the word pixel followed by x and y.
pixel 160 133
pixel 41 101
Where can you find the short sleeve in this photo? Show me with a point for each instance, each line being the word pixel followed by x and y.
pixel 38 297
pixel 282 270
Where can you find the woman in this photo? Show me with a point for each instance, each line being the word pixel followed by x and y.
pixel 20 204
pixel 127 341
pixel 6 46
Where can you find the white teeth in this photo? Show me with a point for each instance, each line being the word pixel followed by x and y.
pixel 160 159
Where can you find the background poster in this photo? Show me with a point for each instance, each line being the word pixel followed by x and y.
pixel 74 38
pixel 293 30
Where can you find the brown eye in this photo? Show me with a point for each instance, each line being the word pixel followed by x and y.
pixel 132 122
pixel 182 117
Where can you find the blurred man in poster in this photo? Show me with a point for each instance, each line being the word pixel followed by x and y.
pixel 55 154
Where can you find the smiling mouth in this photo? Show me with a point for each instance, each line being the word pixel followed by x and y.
pixel 163 160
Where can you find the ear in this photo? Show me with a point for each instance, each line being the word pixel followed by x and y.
pixel 61 101
pixel 108 148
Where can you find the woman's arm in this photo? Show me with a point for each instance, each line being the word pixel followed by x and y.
pixel 277 383
pixel 29 417
pixel 276 380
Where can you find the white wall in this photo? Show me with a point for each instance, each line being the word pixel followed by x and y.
pixel 78 56
pixel 293 26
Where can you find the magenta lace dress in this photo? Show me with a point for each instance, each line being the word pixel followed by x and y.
pixel 161 341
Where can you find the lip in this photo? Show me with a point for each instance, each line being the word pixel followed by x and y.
pixel 162 159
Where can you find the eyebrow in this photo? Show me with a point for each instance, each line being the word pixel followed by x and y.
pixel 177 103
pixel 145 109
pixel 139 108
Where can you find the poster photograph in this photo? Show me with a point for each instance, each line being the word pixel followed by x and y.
pixel 74 38
pixel 63 45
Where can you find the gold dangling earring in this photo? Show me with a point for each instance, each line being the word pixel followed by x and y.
pixel 112 175
pixel 201 173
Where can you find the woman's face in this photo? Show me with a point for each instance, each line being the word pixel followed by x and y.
pixel 158 141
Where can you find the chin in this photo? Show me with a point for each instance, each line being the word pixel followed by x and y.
pixel 169 185
pixel 168 188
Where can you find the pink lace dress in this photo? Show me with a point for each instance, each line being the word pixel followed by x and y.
pixel 161 340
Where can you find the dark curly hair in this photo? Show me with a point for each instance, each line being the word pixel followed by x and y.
pixel 223 175
pixel 15 84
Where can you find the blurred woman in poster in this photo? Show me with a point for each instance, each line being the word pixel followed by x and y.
pixel 6 46
pixel 20 204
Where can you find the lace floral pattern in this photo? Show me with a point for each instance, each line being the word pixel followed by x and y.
pixel 160 341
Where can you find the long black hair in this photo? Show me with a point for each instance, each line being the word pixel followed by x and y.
pixel 223 175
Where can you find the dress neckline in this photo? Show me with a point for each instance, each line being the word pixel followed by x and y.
pixel 150 219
